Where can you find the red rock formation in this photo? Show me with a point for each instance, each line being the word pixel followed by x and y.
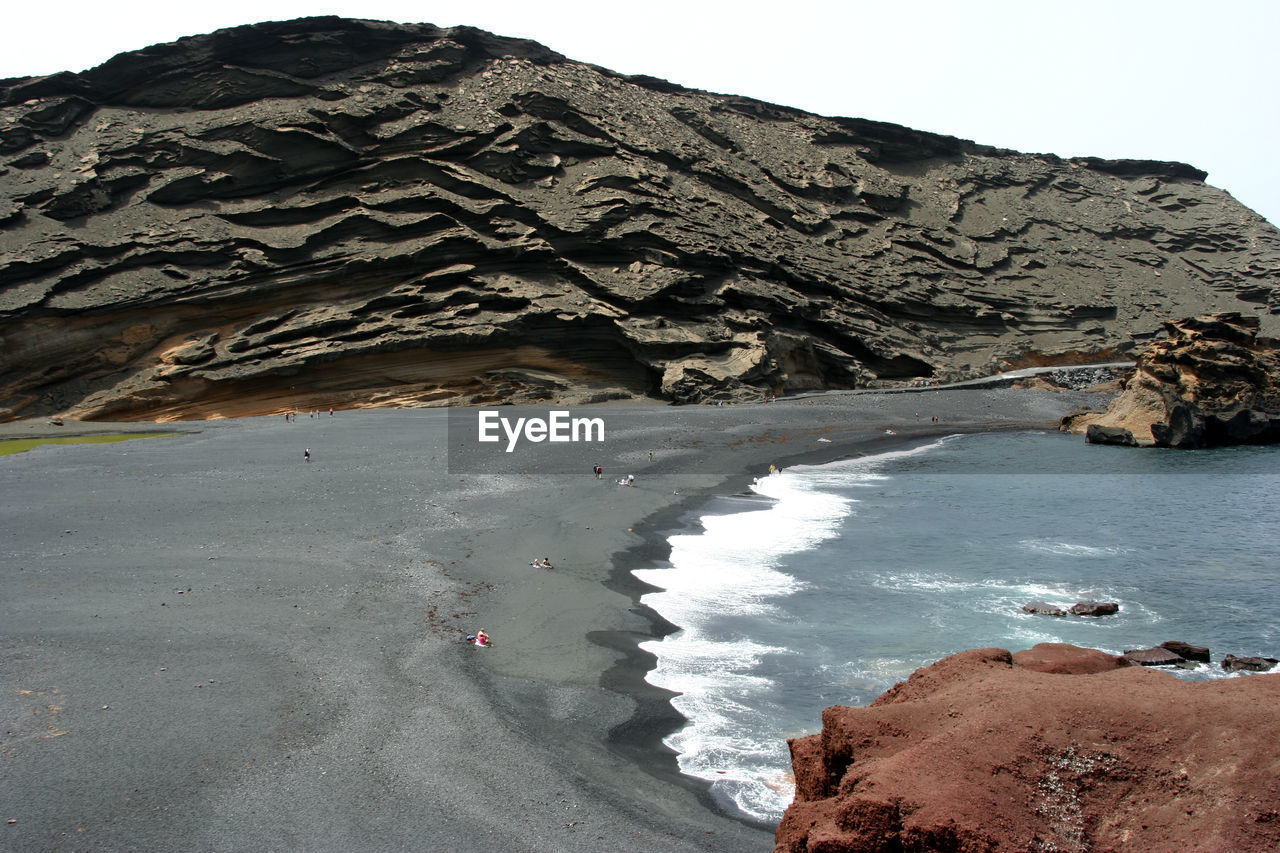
pixel 1056 748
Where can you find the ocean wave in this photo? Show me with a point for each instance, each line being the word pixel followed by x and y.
pixel 728 740
pixel 1073 549
pixel 730 569
pixel 1001 592
pixel 937 582
pixel 869 568
pixel 862 470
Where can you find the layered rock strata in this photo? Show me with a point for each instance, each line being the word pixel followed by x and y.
pixel 1054 748
pixel 1213 381
pixel 325 211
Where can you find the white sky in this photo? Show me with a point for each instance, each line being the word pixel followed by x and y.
pixel 1189 80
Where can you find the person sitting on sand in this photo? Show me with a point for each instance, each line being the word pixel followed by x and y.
pixel 481 638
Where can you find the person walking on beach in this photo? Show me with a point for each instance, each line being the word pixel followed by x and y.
pixel 306 454
pixel 599 471
pixel 631 479
pixel 650 455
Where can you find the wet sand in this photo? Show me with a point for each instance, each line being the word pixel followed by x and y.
pixel 211 644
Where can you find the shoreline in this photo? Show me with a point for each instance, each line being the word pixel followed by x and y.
pixel 469 746
pixel 642 737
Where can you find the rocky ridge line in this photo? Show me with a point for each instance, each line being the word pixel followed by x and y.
pixel 325 211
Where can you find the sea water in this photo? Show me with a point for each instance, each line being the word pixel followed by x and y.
pixel 828 584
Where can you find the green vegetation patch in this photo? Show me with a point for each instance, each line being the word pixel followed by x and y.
pixel 19 445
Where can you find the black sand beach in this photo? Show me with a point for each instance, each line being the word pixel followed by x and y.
pixel 211 644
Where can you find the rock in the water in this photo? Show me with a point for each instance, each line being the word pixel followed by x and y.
pixel 1187 651
pixel 1231 663
pixel 1155 656
pixel 1099 434
pixel 1214 381
pixel 986 751
pixel 299 214
pixel 1094 608
pixel 1042 608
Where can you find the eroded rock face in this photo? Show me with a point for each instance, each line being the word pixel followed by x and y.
pixel 327 211
pixel 1055 748
pixel 1214 381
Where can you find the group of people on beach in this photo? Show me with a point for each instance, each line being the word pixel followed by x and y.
pixel 292 417
pixel 544 562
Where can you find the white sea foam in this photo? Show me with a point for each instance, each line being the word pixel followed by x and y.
pixel 731 568
pixel 934 565
pixel 1001 595
pixel 1072 549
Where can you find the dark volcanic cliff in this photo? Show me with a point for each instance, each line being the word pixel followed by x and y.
pixel 328 211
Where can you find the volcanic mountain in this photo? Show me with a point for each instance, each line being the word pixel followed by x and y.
pixel 335 212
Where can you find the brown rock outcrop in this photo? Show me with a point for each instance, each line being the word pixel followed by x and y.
pixel 1213 381
pixel 1094 608
pixel 326 211
pixel 1057 748
pixel 1154 656
pixel 1232 663
pixel 1187 651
